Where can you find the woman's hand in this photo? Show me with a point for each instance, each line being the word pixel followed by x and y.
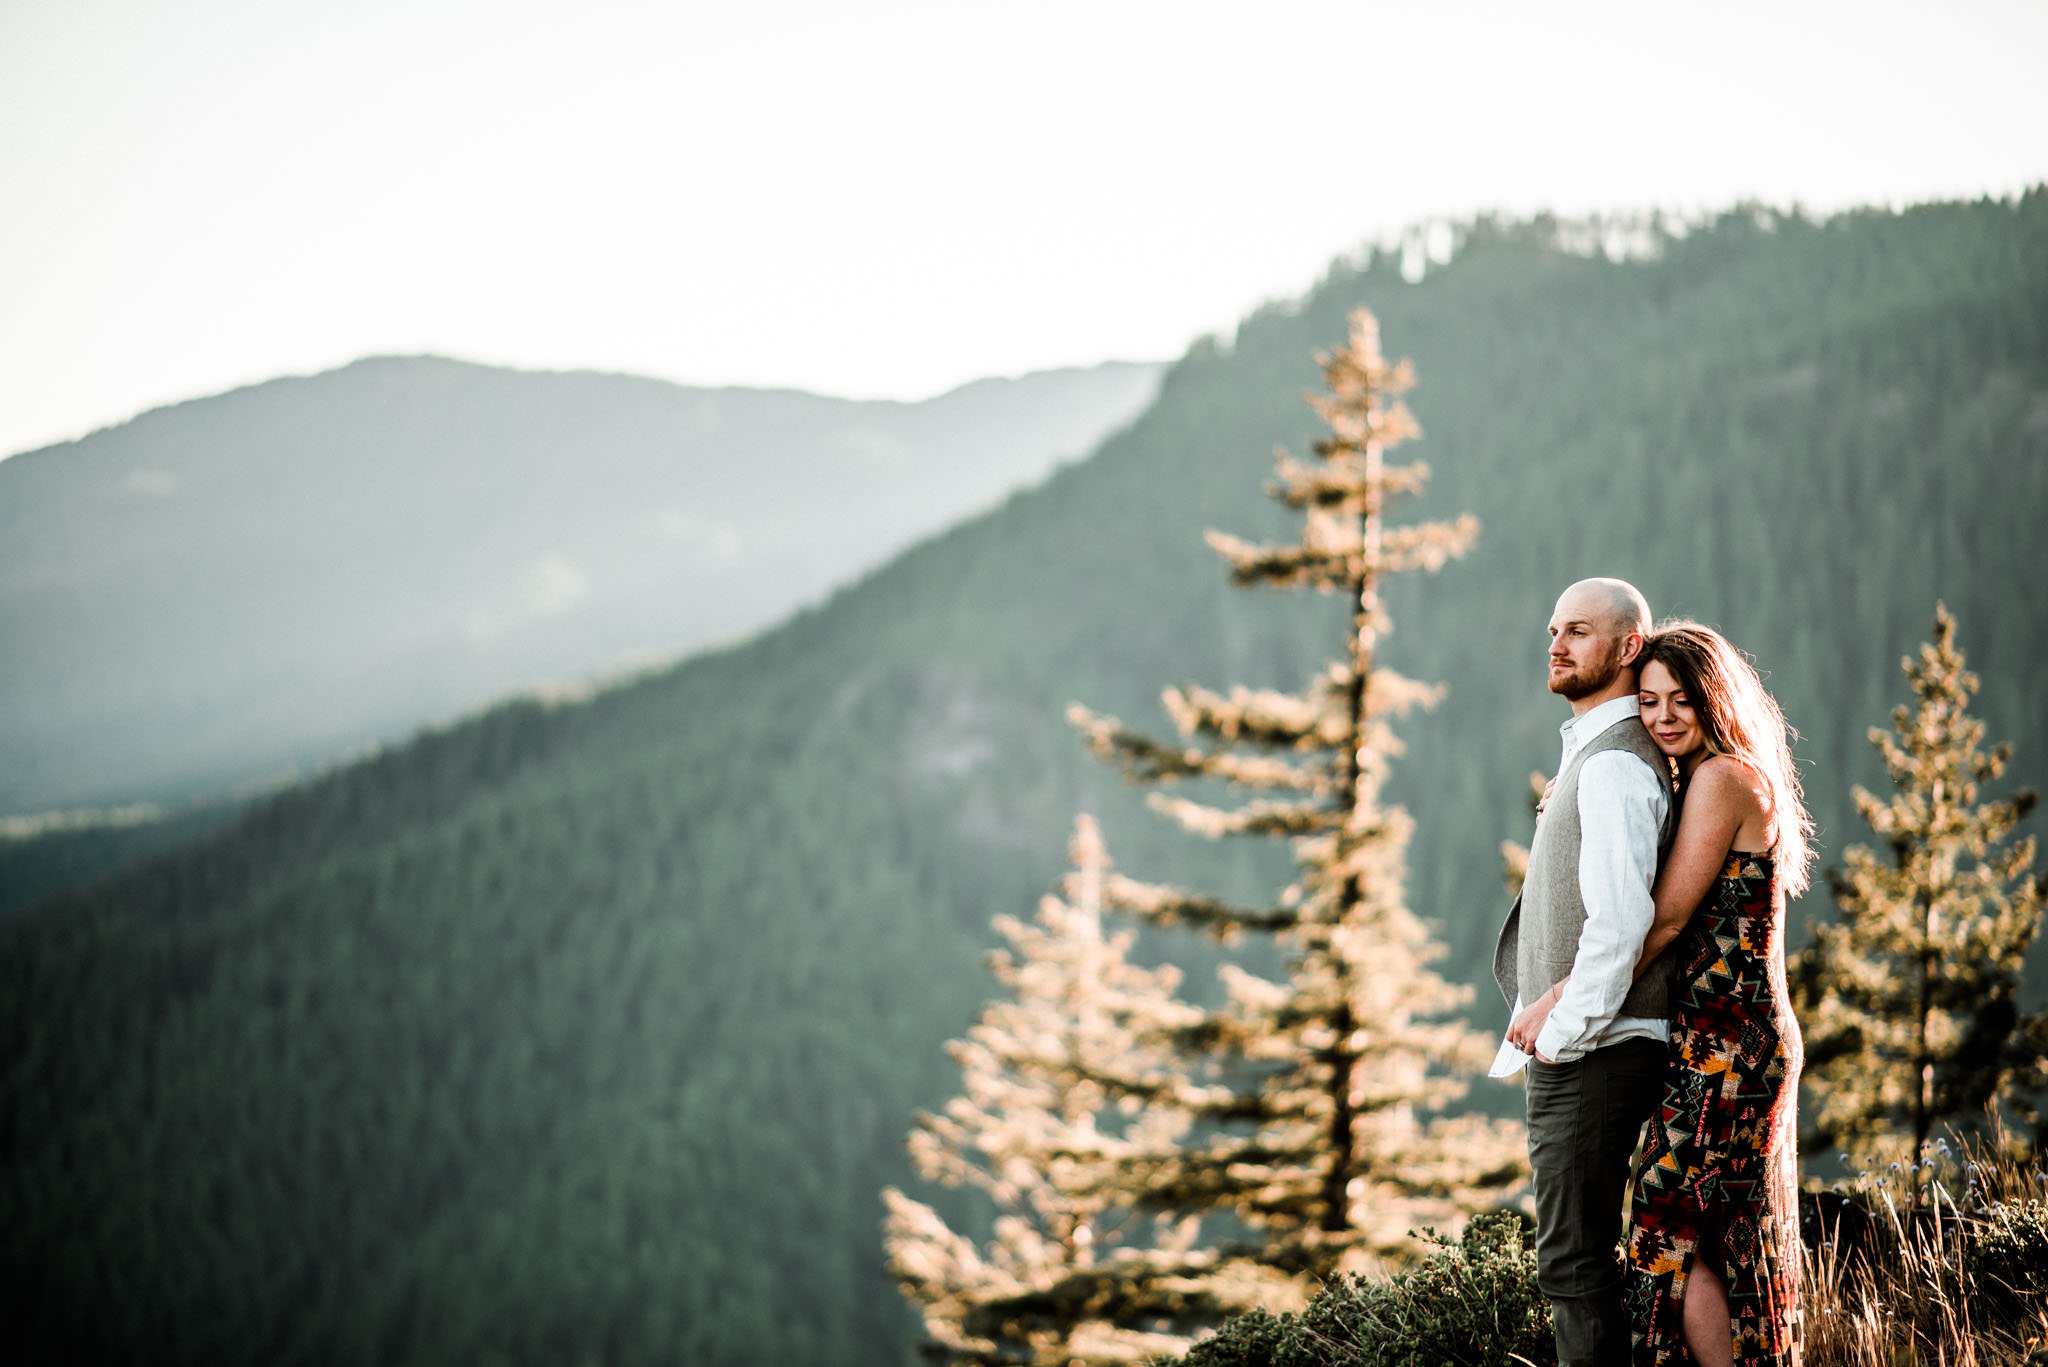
pixel 1544 801
pixel 1522 1033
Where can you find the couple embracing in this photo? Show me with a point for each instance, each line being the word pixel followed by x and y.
pixel 1645 963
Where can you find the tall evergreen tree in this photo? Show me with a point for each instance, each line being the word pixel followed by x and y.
pixel 1913 995
pixel 1068 1080
pixel 1325 1134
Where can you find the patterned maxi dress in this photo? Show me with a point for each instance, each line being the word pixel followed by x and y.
pixel 1719 1170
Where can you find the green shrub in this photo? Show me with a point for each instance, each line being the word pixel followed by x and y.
pixel 1257 1338
pixel 1472 1303
pixel 2009 1250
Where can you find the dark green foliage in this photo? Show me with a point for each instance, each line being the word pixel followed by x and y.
pixel 35 866
pixel 593 1032
pixel 1472 1303
pixel 2007 1252
pixel 465 1094
pixel 1257 1339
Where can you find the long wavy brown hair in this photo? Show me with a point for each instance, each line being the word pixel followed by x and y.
pixel 1741 719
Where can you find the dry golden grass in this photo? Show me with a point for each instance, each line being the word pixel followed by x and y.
pixel 1951 1268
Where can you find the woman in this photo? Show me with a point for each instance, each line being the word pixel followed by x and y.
pixel 1713 1245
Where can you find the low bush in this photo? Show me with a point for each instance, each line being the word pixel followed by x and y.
pixel 2007 1254
pixel 1471 1303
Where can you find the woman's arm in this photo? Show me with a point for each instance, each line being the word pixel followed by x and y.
pixel 1718 800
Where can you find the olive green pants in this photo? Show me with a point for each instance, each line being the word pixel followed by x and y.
pixel 1584 1119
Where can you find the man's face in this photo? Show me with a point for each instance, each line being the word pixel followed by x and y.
pixel 1585 647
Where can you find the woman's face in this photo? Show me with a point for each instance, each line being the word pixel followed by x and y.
pixel 1667 711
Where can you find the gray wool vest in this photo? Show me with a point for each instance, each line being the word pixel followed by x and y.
pixel 1541 937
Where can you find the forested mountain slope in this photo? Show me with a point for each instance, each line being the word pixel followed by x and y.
pixel 262 580
pixel 591 1031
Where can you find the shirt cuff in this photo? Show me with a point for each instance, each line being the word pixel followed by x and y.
pixel 1554 1044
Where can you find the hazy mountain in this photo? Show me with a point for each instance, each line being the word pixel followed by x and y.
pixel 591 1030
pixel 225 588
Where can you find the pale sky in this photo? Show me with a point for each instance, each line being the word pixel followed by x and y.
pixel 879 199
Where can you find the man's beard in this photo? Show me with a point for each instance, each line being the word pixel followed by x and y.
pixel 1584 683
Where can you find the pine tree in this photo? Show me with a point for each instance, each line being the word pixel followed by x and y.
pixel 1067 1081
pixel 1913 995
pixel 1327 1138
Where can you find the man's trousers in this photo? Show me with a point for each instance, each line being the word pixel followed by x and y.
pixel 1584 1120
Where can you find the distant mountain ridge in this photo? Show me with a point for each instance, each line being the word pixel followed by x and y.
pixel 264 579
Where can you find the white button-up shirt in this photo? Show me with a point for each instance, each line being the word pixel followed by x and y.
pixel 1622 802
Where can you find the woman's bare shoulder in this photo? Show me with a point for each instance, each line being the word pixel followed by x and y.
pixel 1729 783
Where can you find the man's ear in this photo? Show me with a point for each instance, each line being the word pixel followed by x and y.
pixel 1631 647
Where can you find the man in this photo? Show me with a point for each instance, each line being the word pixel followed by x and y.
pixel 1598 1058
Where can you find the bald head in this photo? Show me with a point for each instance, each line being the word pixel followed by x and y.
pixel 1596 632
pixel 1616 605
